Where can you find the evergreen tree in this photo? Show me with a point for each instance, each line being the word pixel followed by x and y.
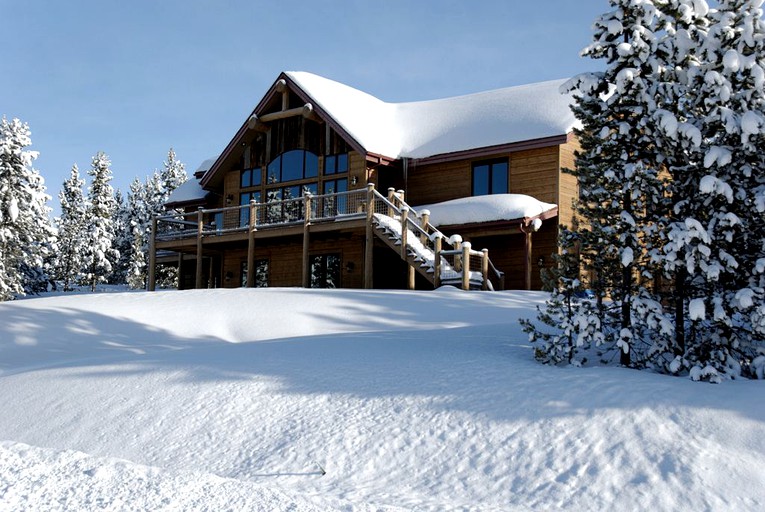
pixel 139 223
pixel 71 228
pixel 26 234
pixel 100 254
pixel 122 239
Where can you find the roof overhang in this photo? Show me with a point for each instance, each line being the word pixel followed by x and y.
pixel 497 227
pixel 555 140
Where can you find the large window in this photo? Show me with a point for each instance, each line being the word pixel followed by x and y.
pixel 490 177
pixel 325 271
pixel 244 213
pixel 293 165
pixel 250 178
pixel 335 205
pixel 261 273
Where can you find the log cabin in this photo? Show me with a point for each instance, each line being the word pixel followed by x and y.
pixel 324 185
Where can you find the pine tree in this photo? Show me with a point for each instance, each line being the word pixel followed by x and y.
pixel 122 239
pixel 26 234
pixel 139 219
pixel 100 254
pixel 71 227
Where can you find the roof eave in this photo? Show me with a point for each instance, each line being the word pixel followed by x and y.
pixel 542 142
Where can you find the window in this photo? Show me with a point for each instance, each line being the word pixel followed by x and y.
pixel 335 205
pixel 250 178
pixel 261 273
pixel 335 164
pixel 490 177
pixel 293 165
pixel 287 211
pixel 325 271
pixel 244 213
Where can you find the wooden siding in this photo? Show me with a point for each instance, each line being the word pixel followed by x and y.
pixel 535 173
pixel 568 189
pixel 285 267
pixel 438 182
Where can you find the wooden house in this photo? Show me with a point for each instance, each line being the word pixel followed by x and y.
pixel 324 185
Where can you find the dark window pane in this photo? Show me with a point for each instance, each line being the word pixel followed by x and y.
pixel 291 192
pixel 292 165
pixel 342 185
pixel 342 162
pixel 311 165
pixel 499 178
pixel 329 165
pixel 246 178
pixel 342 201
pixel 274 167
pixel 244 213
pixel 480 180
pixel 256 175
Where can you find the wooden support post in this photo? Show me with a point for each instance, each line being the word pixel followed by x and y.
pixel 200 228
pixel 211 280
pixel 437 261
pixel 485 269
pixel 251 246
pixel 404 230
pixel 458 257
pixel 306 242
pixel 151 281
pixel 181 269
pixel 369 241
pixel 466 265
pixel 400 194
pixel 527 259
pixel 391 200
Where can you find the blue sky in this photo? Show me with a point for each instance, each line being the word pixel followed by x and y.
pixel 134 78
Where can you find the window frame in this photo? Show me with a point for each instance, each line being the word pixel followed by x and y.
pixel 490 174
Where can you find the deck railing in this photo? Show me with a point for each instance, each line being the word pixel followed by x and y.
pixel 449 259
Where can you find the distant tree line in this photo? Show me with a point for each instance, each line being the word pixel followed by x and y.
pixel 665 268
pixel 100 236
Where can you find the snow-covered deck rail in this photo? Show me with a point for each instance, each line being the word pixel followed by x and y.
pixel 441 259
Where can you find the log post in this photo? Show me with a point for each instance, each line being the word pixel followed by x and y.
pixel 425 218
pixel 404 230
pixel 200 228
pixel 457 257
pixel 400 194
pixel 437 261
pixel 466 265
pixel 306 241
pixel 485 269
pixel 369 242
pixel 527 258
pixel 391 200
pixel 251 246
pixel 181 268
pixel 151 281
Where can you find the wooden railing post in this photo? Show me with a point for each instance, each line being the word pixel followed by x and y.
pixel 251 246
pixel 485 269
pixel 404 230
pixel 200 228
pixel 369 242
pixel 151 280
pixel 400 194
pixel 466 265
pixel 457 257
pixel 437 261
pixel 425 219
pixel 306 241
pixel 391 200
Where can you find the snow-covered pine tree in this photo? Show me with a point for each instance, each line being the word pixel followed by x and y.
pixel 618 180
pixel 173 173
pixel 122 239
pixel 100 254
pixel 723 211
pixel 71 230
pixel 140 217
pixel 26 234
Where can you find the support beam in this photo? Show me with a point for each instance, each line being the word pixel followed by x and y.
pixel 200 227
pixel 307 242
pixel 151 281
pixel 180 271
pixel 466 265
pixel 369 242
pixel 251 247
pixel 485 269
pixel 527 260
pixel 305 111
pixel 437 262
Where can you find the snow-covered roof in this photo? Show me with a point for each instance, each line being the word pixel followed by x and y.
pixel 491 208
pixel 188 192
pixel 205 166
pixel 427 128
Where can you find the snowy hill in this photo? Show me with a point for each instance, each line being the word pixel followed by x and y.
pixel 241 399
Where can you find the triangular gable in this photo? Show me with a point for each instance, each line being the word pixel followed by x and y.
pixel 273 95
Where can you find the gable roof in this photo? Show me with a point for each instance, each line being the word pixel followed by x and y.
pixel 426 128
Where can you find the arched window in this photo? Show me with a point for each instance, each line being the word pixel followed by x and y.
pixel 293 165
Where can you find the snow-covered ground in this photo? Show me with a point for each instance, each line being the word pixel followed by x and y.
pixel 241 399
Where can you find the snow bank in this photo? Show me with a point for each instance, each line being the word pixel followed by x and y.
pixel 495 207
pixel 217 399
